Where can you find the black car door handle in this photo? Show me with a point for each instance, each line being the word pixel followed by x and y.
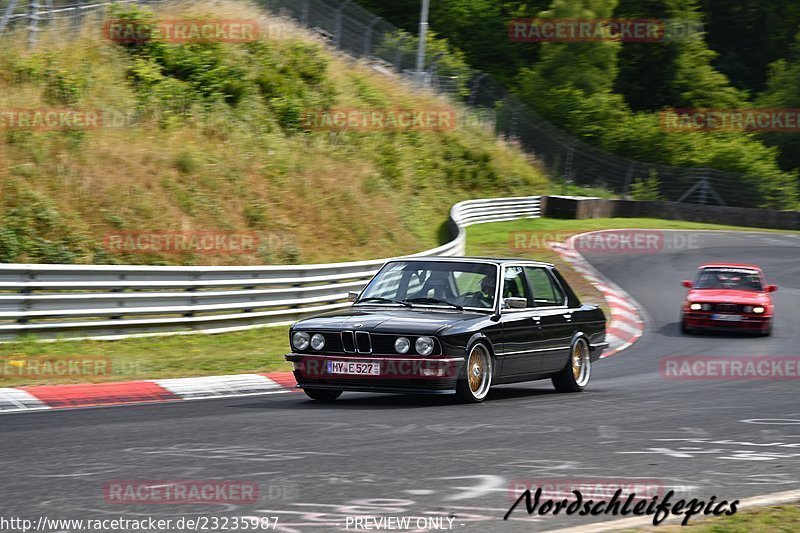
pixel 568 317
pixel 536 318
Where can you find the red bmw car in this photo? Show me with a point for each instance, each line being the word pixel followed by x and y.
pixel 728 296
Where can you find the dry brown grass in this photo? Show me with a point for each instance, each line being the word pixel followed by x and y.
pixel 315 197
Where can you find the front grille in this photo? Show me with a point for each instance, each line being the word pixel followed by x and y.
pixel 384 344
pixel 348 343
pixel 333 342
pixel 363 342
pixel 727 308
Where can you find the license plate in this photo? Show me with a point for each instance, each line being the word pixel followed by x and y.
pixel 727 318
pixel 348 367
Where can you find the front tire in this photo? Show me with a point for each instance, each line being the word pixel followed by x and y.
pixel 576 373
pixel 323 395
pixel 686 330
pixel 474 385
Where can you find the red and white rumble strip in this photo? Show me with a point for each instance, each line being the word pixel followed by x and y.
pixel 627 324
pixel 157 390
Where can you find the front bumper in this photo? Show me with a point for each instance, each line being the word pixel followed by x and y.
pixel 397 374
pixel 754 323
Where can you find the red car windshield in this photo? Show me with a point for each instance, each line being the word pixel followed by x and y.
pixel 739 279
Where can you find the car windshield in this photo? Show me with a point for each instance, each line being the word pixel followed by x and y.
pixel 435 283
pixel 740 279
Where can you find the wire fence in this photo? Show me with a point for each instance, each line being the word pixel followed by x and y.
pixel 361 34
pixel 354 30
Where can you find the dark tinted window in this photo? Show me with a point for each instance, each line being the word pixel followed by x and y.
pixel 545 290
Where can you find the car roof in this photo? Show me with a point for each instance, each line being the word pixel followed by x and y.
pixel 730 265
pixel 492 260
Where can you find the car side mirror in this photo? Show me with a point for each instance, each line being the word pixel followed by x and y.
pixel 772 288
pixel 352 295
pixel 515 303
pixel 686 283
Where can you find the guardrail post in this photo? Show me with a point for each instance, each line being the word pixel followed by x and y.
pixel 33 26
pixel 192 301
pixel 7 15
pixel 476 85
pixel 25 305
pixel 398 55
pixel 368 37
pixel 77 19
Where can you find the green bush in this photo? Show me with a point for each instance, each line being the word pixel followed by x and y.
pixel 646 189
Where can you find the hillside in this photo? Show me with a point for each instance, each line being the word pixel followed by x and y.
pixel 209 137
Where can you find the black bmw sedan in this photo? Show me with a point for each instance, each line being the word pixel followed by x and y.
pixel 443 325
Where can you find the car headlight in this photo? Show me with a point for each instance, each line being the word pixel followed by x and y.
pixel 424 345
pixel 317 341
pixel 706 307
pixel 300 340
pixel 402 345
pixel 696 307
pixel 748 309
pixel 759 310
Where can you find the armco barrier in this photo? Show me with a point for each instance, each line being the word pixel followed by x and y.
pixel 110 302
pixel 580 208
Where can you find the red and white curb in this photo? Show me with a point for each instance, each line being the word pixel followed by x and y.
pixel 41 397
pixel 627 322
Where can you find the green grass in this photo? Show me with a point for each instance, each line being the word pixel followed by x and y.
pixel 493 239
pixel 255 350
pixel 261 350
pixel 213 140
pixel 778 519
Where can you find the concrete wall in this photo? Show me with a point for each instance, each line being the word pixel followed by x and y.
pixel 580 208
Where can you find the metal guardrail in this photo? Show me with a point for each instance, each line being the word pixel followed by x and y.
pixel 112 302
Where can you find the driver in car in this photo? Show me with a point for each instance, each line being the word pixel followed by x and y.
pixel 484 297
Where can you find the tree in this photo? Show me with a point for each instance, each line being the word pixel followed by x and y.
pixel 678 72
pixel 572 83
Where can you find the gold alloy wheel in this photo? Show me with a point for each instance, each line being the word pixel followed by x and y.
pixel 479 371
pixel 581 364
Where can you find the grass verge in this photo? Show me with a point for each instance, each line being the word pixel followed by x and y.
pixel 776 519
pixel 261 350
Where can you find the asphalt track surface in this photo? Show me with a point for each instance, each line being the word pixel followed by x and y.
pixel 421 456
